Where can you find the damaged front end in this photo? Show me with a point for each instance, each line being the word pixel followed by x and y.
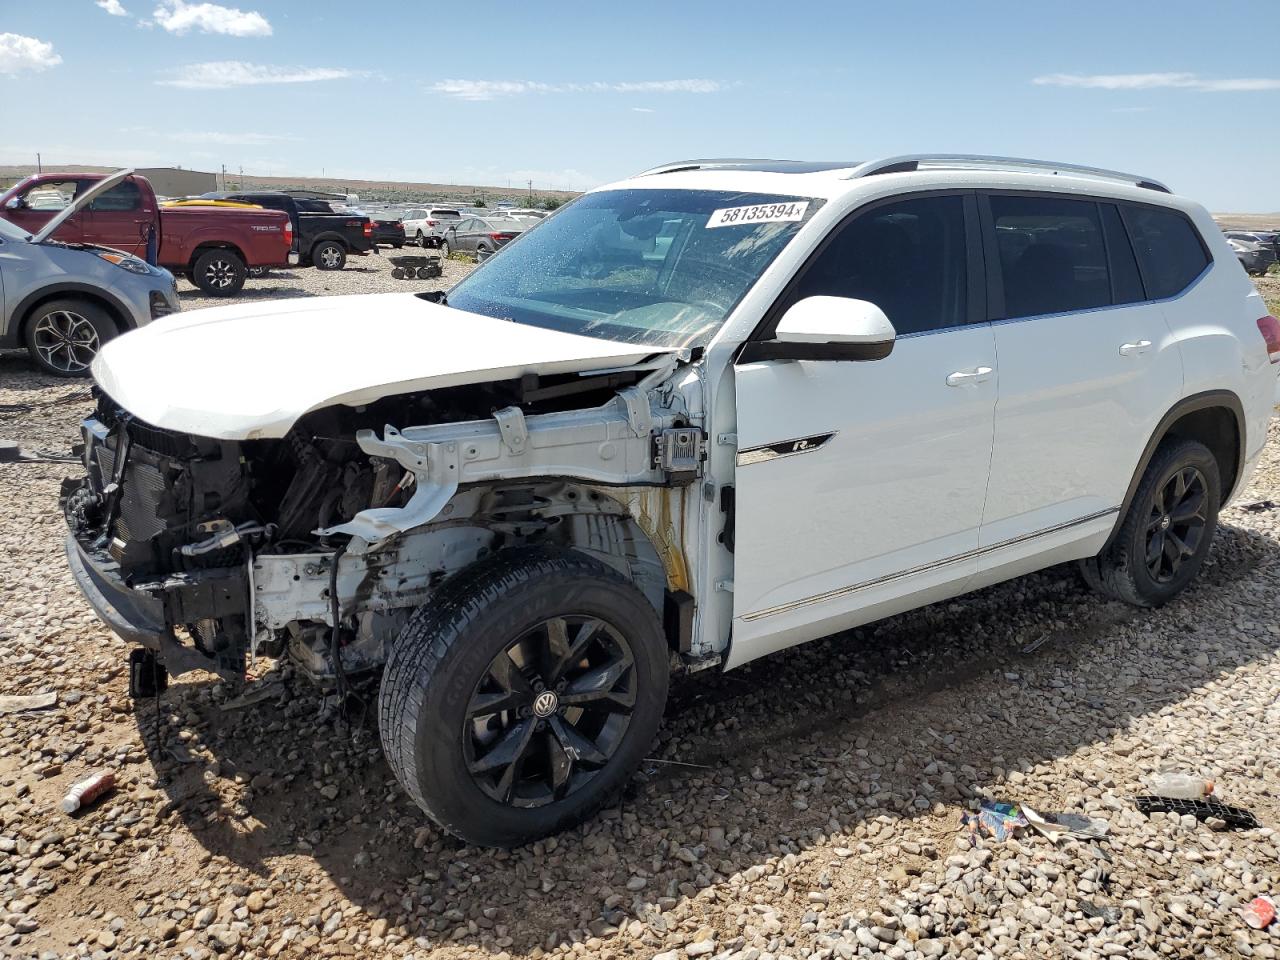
pixel 210 552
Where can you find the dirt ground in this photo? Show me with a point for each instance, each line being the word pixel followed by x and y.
pixel 807 805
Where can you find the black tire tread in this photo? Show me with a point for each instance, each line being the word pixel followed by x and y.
pixel 437 626
pixel 1115 564
pixel 95 313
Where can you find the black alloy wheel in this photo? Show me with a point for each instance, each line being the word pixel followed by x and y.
pixel 1176 524
pixel 550 711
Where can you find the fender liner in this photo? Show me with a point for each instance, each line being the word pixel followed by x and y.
pixel 1197 401
pixel 64 288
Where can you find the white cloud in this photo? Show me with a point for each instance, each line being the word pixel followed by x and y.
pixel 226 139
pixel 642 109
pixel 19 53
pixel 1156 81
pixel 112 7
pixel 221 74
pixel 178 16
pixel 493 89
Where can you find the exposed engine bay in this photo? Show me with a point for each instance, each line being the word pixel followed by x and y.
pixel 320 545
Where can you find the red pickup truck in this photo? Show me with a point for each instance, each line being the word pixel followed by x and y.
pixel 213 247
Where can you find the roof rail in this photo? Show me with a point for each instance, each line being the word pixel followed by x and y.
pixel 759 165
pixel 963 161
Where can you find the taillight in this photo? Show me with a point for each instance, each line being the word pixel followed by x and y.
pixel 1269 327
pixel 501 236
pixel 368 228
pixel 288 234
pixel 432 223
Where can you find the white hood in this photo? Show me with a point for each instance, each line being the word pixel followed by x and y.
pixel 249 371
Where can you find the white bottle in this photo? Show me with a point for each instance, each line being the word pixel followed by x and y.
pixel 1180 786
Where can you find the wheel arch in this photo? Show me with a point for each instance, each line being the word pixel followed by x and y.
pixel 1214 418
pixel 327 236
pixel 207 245
pixel 26 308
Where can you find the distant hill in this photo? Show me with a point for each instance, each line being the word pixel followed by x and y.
pixel 366 189
pixel 1248 221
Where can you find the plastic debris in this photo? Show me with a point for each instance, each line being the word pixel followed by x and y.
pixel 87 791
pixel 1063 826
pixel 1107 913
pixel 35 701
pixel 1259 912
pixel 998 820
pixel 1179 786
pixel 1258 506
pixel 255 694
pixel 1200 809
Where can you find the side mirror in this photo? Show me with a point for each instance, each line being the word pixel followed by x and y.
pixel 827 328
pixel 14 203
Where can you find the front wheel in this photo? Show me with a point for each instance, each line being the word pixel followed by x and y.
pixel 445 249
pixel 521 697
pixel 329 255
pixel 63 336
pixel 1165 536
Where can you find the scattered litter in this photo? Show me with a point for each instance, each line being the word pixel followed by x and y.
pixel 87 791
pixel 1258 506
pixel 21 704
pixel 1259 912
pixel 255 694
pixel 16 408
pixel 11 451
pixel 678 763
pixel 1200 809
pixel 1106 912
pixel 998 820
pixel 1179 786
pixel 1062 826
pixel 1035 645
pixel 181 754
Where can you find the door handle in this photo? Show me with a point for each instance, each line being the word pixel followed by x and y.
pixel 1135 348
pixel 965 378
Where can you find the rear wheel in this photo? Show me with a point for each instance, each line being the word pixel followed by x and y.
pixel 63 336
pixel 519 700
pixel 329 255
pixel 1167 532
pixel 219 273
pixel 482 253
pixel 444 248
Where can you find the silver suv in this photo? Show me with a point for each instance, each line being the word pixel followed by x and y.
pixel 62 301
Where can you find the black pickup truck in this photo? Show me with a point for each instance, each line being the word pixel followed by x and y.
pixel 322 237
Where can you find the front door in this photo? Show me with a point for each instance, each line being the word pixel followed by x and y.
pixel 861 483
pixel 119 219
pixel 41 202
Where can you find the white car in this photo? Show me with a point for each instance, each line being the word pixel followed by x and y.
pixel 421 223
pixel 697 417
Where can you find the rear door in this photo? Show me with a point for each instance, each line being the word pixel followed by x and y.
pixel 121 218
pixel 1087 368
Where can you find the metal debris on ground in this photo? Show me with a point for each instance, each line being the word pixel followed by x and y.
pixel 255 694
pixel 998 820
pixel 1259 912
pixel 1200 809
pixel 1258 506
pixel 1107 913
pixel 1064 826
pixel 1036 644
pixel 34 701
pixel 11 451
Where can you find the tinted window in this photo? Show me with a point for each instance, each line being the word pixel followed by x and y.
pixel 445 215
pixel 123 196
pixel 909 258
pixel 1052 255
pixel 1126 284
pixel 1168 247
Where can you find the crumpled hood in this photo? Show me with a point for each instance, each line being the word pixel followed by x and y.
pixel 249 371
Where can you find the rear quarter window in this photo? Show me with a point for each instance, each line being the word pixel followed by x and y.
pixel 1170 251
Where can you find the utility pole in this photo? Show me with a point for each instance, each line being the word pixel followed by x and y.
pixel 241 187
pixel 39 165
pixel 530 189
pixel 224 177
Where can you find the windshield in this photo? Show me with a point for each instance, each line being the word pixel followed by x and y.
pixel 655 267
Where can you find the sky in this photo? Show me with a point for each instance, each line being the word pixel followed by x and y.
pixel 572 95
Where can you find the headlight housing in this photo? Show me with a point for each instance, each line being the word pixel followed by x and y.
pixel 127 261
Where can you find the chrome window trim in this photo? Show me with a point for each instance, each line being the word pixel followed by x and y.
pixel 922 568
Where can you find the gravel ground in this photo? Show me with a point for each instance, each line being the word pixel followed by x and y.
pixel 807 805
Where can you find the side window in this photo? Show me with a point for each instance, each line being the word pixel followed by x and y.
pixel 1052 255
pixel 51 195
pixel 122 197
pixel 1168 247
pixel 1126 283
pixel 907 257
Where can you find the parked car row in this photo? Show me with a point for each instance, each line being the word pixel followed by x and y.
pixel 1256 251
pixel 323 238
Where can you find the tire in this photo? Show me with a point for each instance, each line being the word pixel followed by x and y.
pixel 397 273
pixel 219 272
pixel 443 666
pixel 397 245
pixel 1161 516
pixel 445 249
pixel 419 240
pixel 63 336
pixel 482 253
pixel 329 255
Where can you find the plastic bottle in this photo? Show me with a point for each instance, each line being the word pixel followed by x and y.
pixel 1180 786
pixel 87 791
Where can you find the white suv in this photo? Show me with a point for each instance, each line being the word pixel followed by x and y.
pixel 694 418
pixel 423 223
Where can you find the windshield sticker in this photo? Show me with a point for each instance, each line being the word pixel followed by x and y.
pixel 759 213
